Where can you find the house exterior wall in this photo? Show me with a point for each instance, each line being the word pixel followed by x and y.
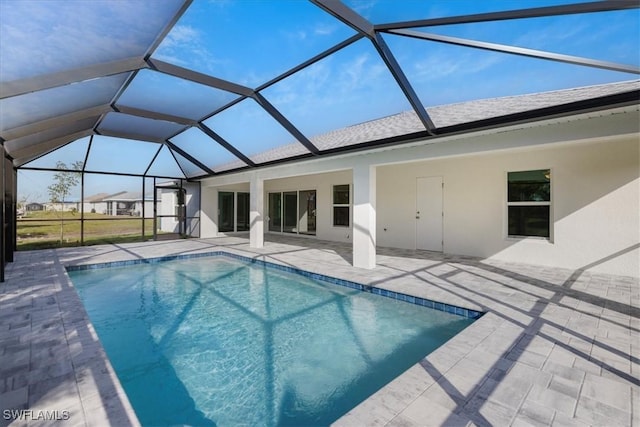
pixel 209 206
pixel 60 207
pixel 32 207
pixel 323 184
pixel 167 200
pixel 148 208
pixel 192 203
pixel 209 212
pixel 99 207
pixel 594 162
pixel 594 205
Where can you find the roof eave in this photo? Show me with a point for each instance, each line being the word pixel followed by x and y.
pixel 602 103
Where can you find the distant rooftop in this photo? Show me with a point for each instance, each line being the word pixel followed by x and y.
pixel 125 196
pixel 96 197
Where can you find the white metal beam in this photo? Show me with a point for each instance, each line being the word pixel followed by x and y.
pixel 345 14
pixel 16 147
pixel 34 151
pixel 533 53
pixel 536 12
pixel 139 112
pixel 194 76
pixel 62 78
pixel 63 120
pixel 130 135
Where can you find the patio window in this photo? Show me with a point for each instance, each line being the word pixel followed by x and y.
pixel 226 208
pixel 242 212
pixel 341 205
pixel 529 203
pixel 293 212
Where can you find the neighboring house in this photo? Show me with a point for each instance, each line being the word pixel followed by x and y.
pixel 122 203
pixel 67 206
pixel 34 207
pixel 128 203
pixel 560 190
pixel 96 203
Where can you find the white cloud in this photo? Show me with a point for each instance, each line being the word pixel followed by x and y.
pixel 351 76
pixel 295 36
pixel 297 91
pixel 186 46
pixel 179 36
pixel 43 37
pixel 364 7
pixel 360 73
pixel 550 36
pixel 445 63
pixel 334 86
pixel 314 78
pixel 324 29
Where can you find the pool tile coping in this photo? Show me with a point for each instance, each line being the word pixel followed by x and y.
pixel 424 302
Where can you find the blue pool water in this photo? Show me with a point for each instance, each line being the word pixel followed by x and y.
pixel 218 341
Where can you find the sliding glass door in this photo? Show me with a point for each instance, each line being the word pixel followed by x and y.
pixel 293 212
pixel 307 212
pixel 233 211
pixel 275 212
pixel 226 210
pixel 242 213
pixel 290 211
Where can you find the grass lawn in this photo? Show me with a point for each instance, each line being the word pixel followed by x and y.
pixel 40 230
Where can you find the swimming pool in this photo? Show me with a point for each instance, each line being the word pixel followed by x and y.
pixel 219 341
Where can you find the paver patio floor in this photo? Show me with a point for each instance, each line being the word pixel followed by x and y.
pixel 555 347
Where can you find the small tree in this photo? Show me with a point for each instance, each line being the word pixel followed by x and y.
pixel 63 183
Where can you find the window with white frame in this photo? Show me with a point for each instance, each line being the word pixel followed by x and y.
pixel 529 203
pixel 341 205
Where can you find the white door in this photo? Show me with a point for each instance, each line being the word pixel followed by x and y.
pixel 429 213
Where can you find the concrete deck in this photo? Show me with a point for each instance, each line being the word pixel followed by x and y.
pixel 556 347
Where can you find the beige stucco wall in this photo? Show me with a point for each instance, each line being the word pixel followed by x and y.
pixel 595 163
pixel 209 207
pixel 209 212
pixel 323 184
pixel 595 205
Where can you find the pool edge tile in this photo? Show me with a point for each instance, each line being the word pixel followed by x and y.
pixel 411 299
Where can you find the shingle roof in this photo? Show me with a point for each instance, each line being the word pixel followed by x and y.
pixel 407 122
pixel 452 114
pixel 96 197
pixel 127 196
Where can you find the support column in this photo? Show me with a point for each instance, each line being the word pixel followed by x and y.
pixel 364 216
pixel 256 212
pixel 3 218
pixel 13 214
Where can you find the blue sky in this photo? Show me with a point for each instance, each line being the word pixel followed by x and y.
pixel 80 31
pixel 249 42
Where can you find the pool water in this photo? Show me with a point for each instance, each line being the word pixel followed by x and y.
pixel 218 341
